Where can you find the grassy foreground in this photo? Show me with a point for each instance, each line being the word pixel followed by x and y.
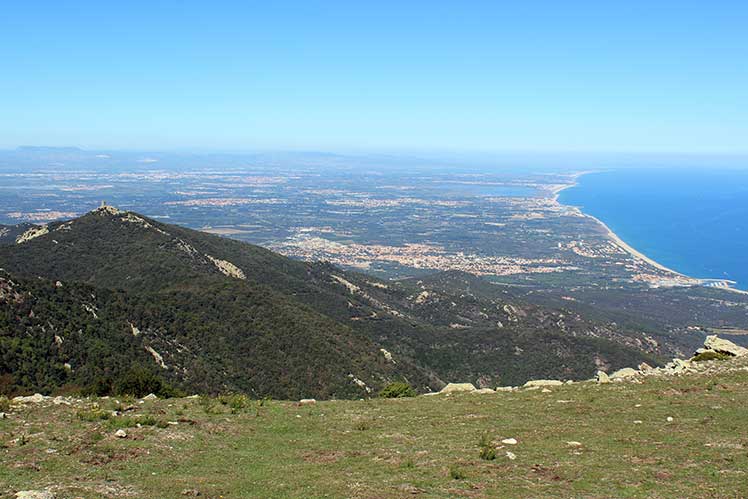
pixel 421 447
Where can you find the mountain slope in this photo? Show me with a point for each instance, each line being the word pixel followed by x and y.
pixel 225 315
pixel 9 233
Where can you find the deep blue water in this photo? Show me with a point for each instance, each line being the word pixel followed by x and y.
pixel 693 221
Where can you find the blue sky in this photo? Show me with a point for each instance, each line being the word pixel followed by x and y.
pixel 455 76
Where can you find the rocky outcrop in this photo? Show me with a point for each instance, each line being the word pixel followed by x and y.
pixel 32 233
pixel 227 268
pixel 720 345
pixel 626 372
pixel 458 387
pixel 543 382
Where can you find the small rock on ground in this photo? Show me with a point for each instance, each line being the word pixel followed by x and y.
pixel 34 494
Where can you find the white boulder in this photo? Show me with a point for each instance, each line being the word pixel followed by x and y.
pixel 34 494
pixel 626 372
pixel 458 387
pixel 720 345
pixel 543 382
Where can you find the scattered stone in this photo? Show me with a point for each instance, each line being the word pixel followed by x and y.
pixel 484 390
pixel 150 396
pixel 545 390
pixel 505 389
pixel 626 372
pixel 574 443
pixel 3 415
pixel 307 401
pixel 410 489
pixel 509 441
pixel 543 382
pixel 637 421
pixel 120 434
pixel 511 455
pixel 725 445
pixel 644 367
pixel 602 377
pixel 458 387
pixel 669 419
pixel 31 399
pixel 191 492
pixel 717 344
pixel 34 494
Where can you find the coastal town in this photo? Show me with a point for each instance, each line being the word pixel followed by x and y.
pixel 508 228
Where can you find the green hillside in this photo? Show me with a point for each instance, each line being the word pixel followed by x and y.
pixel 222 315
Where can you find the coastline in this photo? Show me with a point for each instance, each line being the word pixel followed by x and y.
pixel 630 249
pixel 633 251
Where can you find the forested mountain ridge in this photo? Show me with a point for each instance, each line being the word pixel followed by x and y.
pixel 222 315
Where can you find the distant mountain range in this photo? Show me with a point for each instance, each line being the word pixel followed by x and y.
pixel 85 302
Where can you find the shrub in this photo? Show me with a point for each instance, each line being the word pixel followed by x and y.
pixel 236 401
pixel 209 405
pixel 487 449
pixel 456 473
pixel 397 389
pixel 4 404
pixel 488 453
pixel 7 384
pixel 94 415
pixel 122 422
pixel 710 355
pixel 139 382
pixel 101 386
pixel 362 425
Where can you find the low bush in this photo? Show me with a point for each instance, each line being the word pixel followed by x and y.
pixel 487 449
pixel 93 415
pixel 236 401
pixel 488 453
pixel 456 473
pixel 139 382
pixel 710 355
pixel 397 389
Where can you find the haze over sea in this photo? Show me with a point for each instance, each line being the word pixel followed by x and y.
pixel 692 221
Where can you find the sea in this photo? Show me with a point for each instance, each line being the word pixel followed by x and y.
pixel 694 221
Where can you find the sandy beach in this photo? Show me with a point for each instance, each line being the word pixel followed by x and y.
pixel 612 235
pixel 631 250
pixel 556 191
